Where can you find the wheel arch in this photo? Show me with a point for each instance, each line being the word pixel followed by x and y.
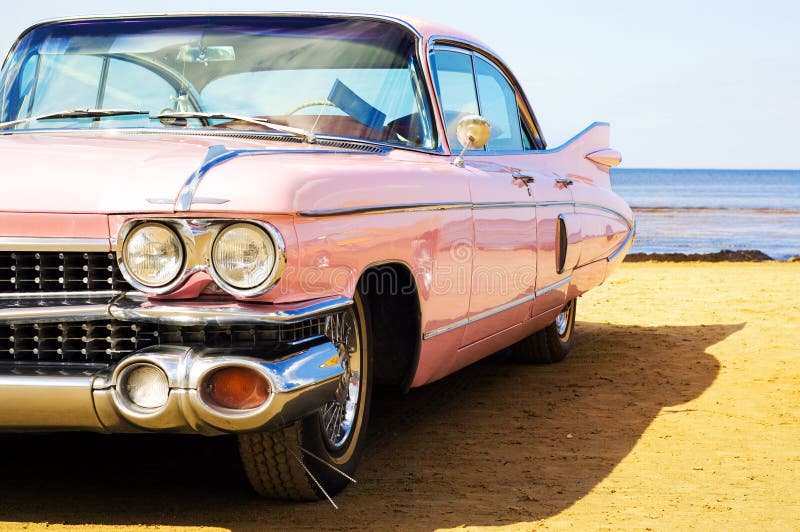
pixel 390 291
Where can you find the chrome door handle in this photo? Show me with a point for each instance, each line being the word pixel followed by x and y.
pixel 564 181
pixel 525 178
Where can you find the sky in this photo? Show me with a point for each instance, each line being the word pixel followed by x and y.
pixel 684 83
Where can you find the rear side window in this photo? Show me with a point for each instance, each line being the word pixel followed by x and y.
pixel 498 104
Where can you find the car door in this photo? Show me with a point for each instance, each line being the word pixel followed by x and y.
pixel 557 228
pixel 504 258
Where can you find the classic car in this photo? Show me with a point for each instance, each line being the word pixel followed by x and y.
pixel 244 224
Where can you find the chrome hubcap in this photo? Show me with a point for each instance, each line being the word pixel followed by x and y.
pixel 339 415
pixel 562 320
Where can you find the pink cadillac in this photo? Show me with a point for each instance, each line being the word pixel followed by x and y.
pixel 244 224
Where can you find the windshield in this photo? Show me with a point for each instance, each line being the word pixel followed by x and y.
pixel 329 76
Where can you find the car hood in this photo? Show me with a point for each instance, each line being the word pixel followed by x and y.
pixel 124 172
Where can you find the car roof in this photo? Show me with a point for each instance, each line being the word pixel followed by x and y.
pixel 423 28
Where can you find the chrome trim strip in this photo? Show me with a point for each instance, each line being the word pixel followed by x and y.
pixel 328 14
pixel 492 311
pixel 471 319
pixel 218 154
pixel 630 223
pixel 60 296
pixel 504 204
pixel 555 286
pixel 626 244
pixel 14 243
pixel 136 307
pixel 180 313
pixel 408 207
pixel 54 313
pixel 377 209
pixel 209 200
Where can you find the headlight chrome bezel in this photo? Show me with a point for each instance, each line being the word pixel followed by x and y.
pixel 228 285
pixel 133 279
pixel 198 237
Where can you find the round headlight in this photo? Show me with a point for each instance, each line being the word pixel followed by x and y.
pixel 243 256
pixel 153 254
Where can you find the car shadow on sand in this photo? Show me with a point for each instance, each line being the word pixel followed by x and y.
pixel 497 443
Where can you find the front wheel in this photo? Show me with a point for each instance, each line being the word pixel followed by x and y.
pixel 552 343
pixel 299 462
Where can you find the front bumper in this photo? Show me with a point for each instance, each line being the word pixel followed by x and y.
pixel 53 396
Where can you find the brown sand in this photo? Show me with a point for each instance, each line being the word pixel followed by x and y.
pixel 677 409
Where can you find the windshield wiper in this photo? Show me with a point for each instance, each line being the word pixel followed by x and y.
pixel 74 113
pixel 308 136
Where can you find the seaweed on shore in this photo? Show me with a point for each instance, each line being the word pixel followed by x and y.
pixel 725 255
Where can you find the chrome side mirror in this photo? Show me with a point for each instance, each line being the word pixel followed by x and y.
pixel 473 132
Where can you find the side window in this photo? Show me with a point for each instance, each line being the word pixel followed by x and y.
pixel 455 83
pixel 499 106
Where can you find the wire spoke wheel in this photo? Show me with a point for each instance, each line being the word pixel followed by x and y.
pixel 338 415
pixel 315 457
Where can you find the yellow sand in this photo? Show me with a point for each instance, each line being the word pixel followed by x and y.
pixel 679 408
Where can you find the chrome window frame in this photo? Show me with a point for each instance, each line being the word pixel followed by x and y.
pixel 527 117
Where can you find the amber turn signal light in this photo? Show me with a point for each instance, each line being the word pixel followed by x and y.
pixel 237 388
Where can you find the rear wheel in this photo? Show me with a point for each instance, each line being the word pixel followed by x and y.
pixel 298 461
pixel 552 343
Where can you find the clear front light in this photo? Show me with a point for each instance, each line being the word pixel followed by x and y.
pixel 145 386
pixel 243 256
pixel 153 254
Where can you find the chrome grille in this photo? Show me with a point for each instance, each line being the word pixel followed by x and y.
pixel 109 340
pixel 50 271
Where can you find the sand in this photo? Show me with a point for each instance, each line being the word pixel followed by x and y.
pixel 679 408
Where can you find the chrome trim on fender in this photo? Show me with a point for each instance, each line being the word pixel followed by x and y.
pixel 504 204
pixel 438 206
pixel 376 209
pixel 625 245
pixel 492 311
pixel 220 313
pixel 218 154
pixel 630 223
pixel 67 245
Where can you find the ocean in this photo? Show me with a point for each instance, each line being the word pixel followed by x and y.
pixel 705 211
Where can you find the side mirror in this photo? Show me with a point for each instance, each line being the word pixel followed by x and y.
pixel 473 132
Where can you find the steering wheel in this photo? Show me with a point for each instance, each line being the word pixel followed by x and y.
pixel 312 103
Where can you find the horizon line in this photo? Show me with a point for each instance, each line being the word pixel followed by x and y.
pixel 707 168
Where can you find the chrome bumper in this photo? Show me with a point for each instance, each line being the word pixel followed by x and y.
pixel 51 398
pixel 138 308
